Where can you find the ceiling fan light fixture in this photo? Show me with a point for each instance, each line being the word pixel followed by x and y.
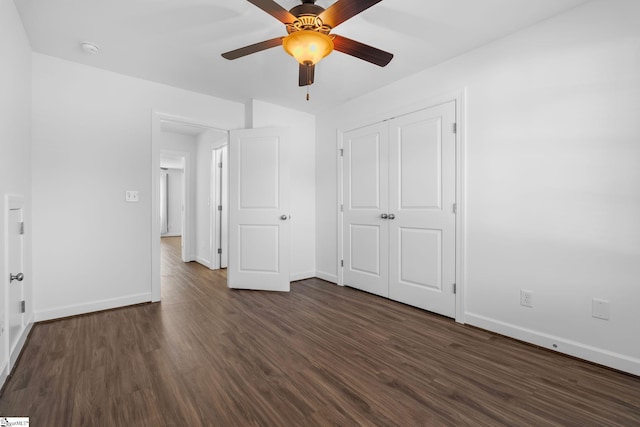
pixel 308 47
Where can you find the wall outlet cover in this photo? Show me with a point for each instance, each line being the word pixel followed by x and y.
pixel 600 309
pixel 131 196
pixel 526 298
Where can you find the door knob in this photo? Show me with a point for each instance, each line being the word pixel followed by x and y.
pixel 392 216
pixel 384 216
pixel 17 277
pixel 284 217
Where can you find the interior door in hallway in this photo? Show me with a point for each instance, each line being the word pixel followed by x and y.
pixel 365 235
pixel 422 183
pixel 16 267
pixel 259 236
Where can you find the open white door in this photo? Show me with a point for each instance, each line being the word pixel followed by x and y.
pixel 259 210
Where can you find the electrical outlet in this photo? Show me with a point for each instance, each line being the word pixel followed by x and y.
pixel 600 309
pixel 526 298
pixel 131 196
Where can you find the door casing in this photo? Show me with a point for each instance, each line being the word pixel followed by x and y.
pixel 11 352
pixel 156 130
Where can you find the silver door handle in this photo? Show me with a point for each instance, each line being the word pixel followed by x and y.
pixel 392 216
pixel 284 217
pixel 384 216
pixel 19 277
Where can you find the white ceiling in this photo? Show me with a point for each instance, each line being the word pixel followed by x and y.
pixel 179 42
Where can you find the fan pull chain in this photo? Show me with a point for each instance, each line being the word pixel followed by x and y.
pixel 307 92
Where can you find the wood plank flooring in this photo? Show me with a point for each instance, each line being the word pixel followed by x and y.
pixel 317 356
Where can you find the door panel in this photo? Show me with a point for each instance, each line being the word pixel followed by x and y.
pixel 260 248
pixel 258 160
pixel 420 163
pixel 366 237
pixel 420 257
pixel 258 210
pixel 365 248
pixel 422 186
pixel 15 240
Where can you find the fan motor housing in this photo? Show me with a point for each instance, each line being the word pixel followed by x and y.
pixel 306 9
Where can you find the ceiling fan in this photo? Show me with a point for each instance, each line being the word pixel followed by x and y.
pixel 309 39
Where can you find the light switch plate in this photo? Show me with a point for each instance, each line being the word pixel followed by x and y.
pixel 131 196
pixel 600 309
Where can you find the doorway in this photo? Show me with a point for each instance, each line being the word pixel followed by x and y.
pixel 186 190
pixel 400 214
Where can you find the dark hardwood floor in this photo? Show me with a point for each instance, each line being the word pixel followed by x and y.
pixel 319 355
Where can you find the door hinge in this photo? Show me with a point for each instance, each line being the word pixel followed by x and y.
pixel 23 306
pixel 454 128
pixel 454 288
pixel 341 263
pixel 22 227
pixel 220 165
pixel 342 152
pixel 455 208
pixel 341 208
pixel 219 207
pixel 219 250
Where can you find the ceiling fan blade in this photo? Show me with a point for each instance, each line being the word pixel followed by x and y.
pixel 275 10
pixel 253 48
pixel 342 10
pixel 307 73
pixel 362 51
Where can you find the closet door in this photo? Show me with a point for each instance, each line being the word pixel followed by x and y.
pixel 366 236
pixel 422 175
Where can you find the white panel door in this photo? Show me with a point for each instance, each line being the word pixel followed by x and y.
pixel 422 174
pixel 259 240
pixel 16 265
pixel 366 236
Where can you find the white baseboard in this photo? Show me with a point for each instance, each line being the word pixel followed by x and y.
pixel 203 261
pixel 571 348
pixel 15 351
pixel 301 276
pixel 106 304
pixel 327 276
pixel 4 373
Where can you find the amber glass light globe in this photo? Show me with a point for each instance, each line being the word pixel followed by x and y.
pixel 308 47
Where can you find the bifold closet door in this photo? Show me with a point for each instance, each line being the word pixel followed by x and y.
pixel 366 236
pixel 422 187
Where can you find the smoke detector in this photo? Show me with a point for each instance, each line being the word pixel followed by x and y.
pixel 89 47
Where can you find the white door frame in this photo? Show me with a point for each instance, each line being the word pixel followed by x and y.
pixel 460 99
pixel 13 201
pixel 216 197
pixel 156 131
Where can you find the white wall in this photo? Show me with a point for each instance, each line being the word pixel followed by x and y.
pixel 552 178
pixel 91 249
pixel 302 177
pixel 15 137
